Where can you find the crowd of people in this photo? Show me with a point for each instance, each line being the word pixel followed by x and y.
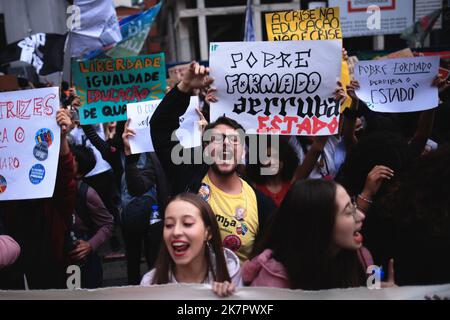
pixel 374 194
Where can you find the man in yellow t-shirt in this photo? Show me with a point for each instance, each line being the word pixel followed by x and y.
pixel 241 212
pixel 237 216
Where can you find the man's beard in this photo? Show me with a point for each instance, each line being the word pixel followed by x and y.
pixel 219 172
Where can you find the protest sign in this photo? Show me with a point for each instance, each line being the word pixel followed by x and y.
pixel 276 89
pixel 191 291
pixel 316 24
pixel 29 143
pixel 398 85
pixel 140 114
pixel 106 86
pixel 189 133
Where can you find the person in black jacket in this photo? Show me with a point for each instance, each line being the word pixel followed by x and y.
pixel 240 210
pixel 142 188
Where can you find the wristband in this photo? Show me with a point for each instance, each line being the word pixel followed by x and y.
pixel 364 199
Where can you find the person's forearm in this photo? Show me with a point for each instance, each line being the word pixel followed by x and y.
pixel 65 185
pixel 138 181
pixel 183 87
pixel 101 236
pixel 304 170
pixel 100 144
pixel 101 217
pixel 349 132
pixel 349 128
pixel 423 132
pixel 64 148
pixel 164 122
pixel 364 201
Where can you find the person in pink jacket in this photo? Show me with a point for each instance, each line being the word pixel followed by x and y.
pixel 314 242
pixel 9 251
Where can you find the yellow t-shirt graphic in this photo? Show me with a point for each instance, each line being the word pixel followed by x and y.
pixel 237 216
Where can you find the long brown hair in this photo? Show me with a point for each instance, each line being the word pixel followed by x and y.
pixel 300 235
pixel 165 265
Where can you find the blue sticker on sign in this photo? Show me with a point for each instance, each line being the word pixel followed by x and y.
pixel 40 151
pixel 37 174
pixel 44 135
pixel 3 184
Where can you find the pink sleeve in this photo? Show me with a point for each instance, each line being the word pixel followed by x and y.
pixel 9 251
pixel 365 257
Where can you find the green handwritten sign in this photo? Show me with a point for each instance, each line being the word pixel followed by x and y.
pixel 106 86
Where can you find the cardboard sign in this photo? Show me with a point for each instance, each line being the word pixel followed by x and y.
pixel 29 143
pixel 106 86
pixel 316 24
pixel 269 88
pixel 398 85
pixel 140 115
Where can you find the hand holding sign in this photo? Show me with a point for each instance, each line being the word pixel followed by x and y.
pixel 202 123
pixel 195 77
pixel 64 121
pixel 127 133
pixel 30 142
pixel 276 89
pixel 398 85
pixel 441 84
pixel 211 95
pixel 339 93
pixel 354 85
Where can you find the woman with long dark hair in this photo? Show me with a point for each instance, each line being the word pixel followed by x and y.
pixel 313 242
pixel 192 250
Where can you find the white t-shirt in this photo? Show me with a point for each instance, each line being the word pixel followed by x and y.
pixel 233 265
pixel 79 138
pixel 328 162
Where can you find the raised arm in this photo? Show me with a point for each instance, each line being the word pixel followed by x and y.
pixel 165 120
pixel 350 115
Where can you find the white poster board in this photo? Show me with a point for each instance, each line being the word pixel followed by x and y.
pixel 203 292
pixel 394 16
pixel 189 133
pixel 29 143
pixel 140 114
pixel 398 85
pixel 278 88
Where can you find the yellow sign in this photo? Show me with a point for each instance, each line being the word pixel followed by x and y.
pixel 345 80
pixel 316 24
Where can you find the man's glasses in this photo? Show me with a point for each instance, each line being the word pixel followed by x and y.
pixel 219 138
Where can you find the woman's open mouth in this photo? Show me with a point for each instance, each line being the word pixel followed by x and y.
pixel 358 237
pixel 179 247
